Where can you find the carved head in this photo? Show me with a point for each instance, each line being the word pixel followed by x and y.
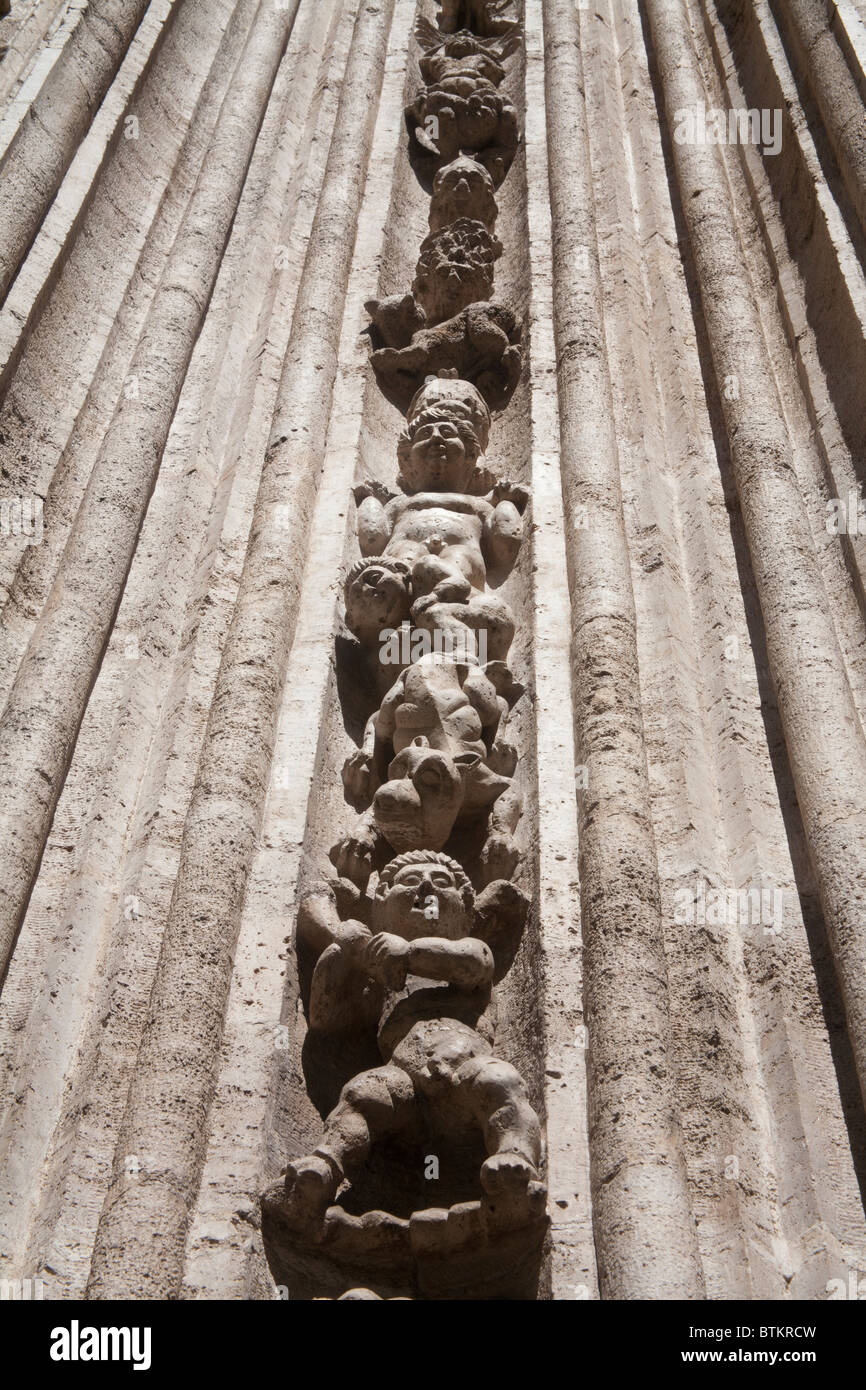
pixel 378 594
pixel 462 188
pixel 455 268
pixel 447 428
pixel 424 893
pixel 418 805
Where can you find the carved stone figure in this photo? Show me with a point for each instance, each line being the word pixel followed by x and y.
pixel 463 188
pixel 460 108
pixel 440 587
pixel 462 53
pixel 482 344
pixel 455 269
pixel 428 957
pixel 378 596
pixel 394 320
pixel 446 120
pixel 446 538
pixel 456 707
pixel 411 968
pixel 431 757
pixel 438 549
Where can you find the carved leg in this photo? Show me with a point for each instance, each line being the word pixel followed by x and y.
pixel 500 855
pixel 371 1106
pixel 496 1096
pixel 337 993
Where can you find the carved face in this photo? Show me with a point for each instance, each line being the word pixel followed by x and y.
pixel 418 805
pixel 423 900
pixel 439 457
pixel 462 189
pixel 377 596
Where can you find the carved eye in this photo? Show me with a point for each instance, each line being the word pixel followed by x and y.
pixel 441 878
pixel 429 777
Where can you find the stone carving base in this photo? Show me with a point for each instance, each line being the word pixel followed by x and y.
pixel 471 1250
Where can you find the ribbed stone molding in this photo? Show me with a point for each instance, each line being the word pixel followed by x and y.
pixel 825 735
pixel 33 165
pixel 644 1226
pixel 43 708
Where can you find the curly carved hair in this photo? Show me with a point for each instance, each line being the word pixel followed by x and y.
pixel 381 561
pixel 426 856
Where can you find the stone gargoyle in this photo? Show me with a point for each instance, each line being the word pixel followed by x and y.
pixel 422 973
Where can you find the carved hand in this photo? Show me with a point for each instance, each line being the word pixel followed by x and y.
pixel 359 776
pixel 386 958
pixel 504 490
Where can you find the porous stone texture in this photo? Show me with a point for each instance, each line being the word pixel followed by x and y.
pixel 433 649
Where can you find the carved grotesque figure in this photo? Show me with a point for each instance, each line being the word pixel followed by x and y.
pixel 431 757
pixel 427 969
pixel 481 344
pixel 460 55
pixel 432 567
pixel 395 320
pixel 449 542
pixel 455 269
pixel 411 965
pixel 461 108
pixel 463 188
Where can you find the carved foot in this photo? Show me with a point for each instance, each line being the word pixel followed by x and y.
pixel 358 854
pixel 499 858
pixel 311 1186
pixel 507 1175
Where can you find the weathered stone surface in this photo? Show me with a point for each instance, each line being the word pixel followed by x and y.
pixel 432 652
